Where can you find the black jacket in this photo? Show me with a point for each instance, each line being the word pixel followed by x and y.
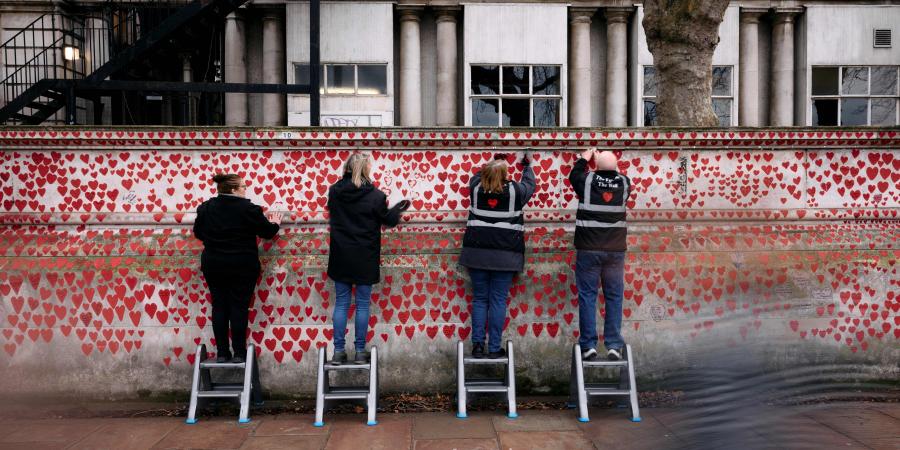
pixel 600 223
pixel 228 226
pixel 491 248
pixel 356 215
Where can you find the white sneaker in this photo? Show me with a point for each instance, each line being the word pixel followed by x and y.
pixel 614 354
pixel 589 354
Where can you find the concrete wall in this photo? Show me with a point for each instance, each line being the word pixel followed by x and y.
pixel 350 33
pixel 773 243
pixel 516 34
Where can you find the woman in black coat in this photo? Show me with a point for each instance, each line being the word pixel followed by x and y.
pixel 357 211
pixel 228 226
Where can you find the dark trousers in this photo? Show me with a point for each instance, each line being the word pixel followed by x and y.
pixel 230 305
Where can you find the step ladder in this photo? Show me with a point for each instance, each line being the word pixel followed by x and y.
pixel 478 386
pixel 583 391
pixel 325 391
pixel 203 387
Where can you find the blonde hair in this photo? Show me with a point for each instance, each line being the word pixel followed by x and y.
pixel 358 166
pixel 493 176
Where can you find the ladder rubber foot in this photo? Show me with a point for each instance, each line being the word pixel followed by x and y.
pixel 512 415
pixel 584 419
pixel 244 420
pixel 318 424
pixel 460 416
pixel 372 423
pixel 190 421
pixel 635 419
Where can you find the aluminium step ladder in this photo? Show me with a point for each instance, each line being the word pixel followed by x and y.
pixel 477 386
pixel 583 391
pixel 203 387
pixel 325 391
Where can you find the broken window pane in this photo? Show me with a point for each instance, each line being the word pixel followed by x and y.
pixel 824 112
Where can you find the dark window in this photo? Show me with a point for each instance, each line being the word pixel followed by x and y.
pixel 824 81
pixel 516 112
pixel 545 80
pixel 485 80
pixel 485 112
pixel 649 113
pixel 546 112
pixel 371 79
pixel 825 112
pixel 515 80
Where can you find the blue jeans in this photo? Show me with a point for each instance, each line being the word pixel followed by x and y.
pixel 489 290
pixel 342 305
pixel 607 268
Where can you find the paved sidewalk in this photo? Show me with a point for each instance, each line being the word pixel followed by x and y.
pixel 853 425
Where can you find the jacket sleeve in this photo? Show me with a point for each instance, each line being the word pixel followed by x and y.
pixel 200 223
pixel 261 226
pixel 387 216
pixel 578 176
pixel 526 187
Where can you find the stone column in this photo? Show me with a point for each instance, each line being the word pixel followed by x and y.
pixel 748 91
pixel 235 69
pixel 617 66
pixel 410 68
pixel 782 98
pixel 580 67
pixel 274 105
pixel 447 73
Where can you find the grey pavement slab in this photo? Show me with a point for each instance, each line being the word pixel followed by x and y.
pixel 456 444
pixel 391 433
pixel 538 421
pixel 208 434
pixel 67 431
pixel 287 425
pixel 285 442
pixel 448 426
pixel 128 433
pixel 544 440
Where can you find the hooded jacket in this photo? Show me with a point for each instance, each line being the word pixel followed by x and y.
pixel 356 215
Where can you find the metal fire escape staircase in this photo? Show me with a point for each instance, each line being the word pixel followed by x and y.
pixel 70 53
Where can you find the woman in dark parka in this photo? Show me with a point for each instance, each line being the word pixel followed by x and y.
pixel 357 211
pixel 228 225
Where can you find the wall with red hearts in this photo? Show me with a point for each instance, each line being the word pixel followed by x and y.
pixel 738 238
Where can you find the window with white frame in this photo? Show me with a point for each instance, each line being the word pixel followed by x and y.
pixel 854 95
pixel 722 95
pixel 517 96
pixel 346 79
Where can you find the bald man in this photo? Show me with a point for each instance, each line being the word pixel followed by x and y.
pixel 600 235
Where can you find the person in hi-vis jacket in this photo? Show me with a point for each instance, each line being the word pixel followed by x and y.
pixel 494 247
pixel 600 243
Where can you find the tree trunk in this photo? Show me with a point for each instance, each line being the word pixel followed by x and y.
pixel 682 36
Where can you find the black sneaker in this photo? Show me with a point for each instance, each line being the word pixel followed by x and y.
pixel 614 354
pixel 589 354
pixel 338 358
pixel 361 357
pixel 238 359
pixel 222 359
pixel 478 350
pixel 498 354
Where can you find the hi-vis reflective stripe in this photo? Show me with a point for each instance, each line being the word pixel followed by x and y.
pixel 601 208
pixel 498 214
pixel 504 225
pixel 586 203
pixel 596 224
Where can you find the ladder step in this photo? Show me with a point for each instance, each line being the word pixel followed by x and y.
pixel 346 395
pixel 486 360
pixel 219 394
pixel 606 391
pixel 347 367
pixel 621 363
pixel 486 388
pixel 215 365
